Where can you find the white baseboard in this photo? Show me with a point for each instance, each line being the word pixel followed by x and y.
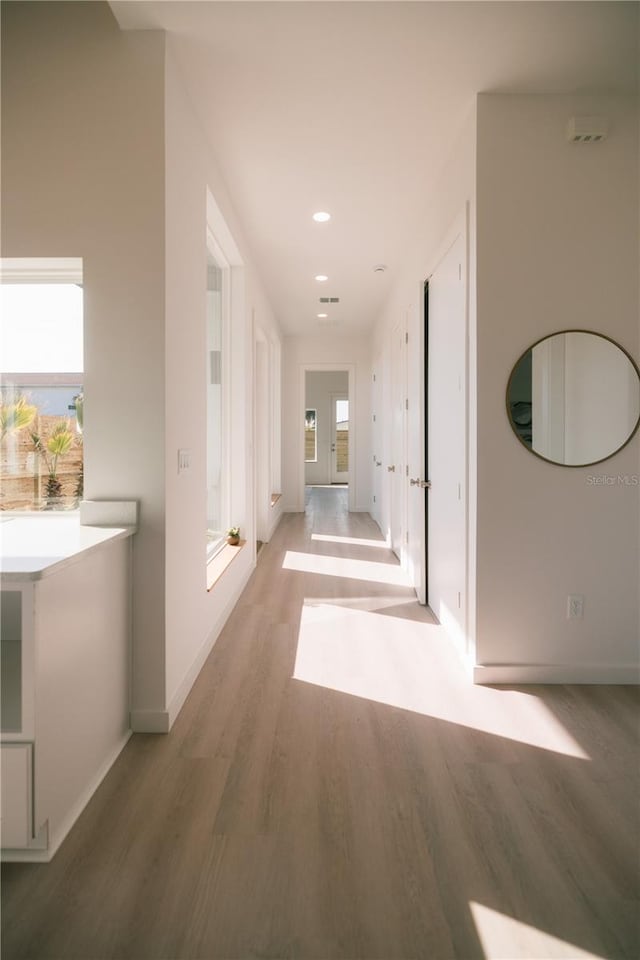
pixel 181 694
pixel 502 673
pixel 150 721
pixel 59 833
pixel 275 518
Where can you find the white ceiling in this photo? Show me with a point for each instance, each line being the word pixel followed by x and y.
pixel 351 107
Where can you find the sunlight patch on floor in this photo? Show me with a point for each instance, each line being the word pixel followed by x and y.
pixel 411 664
pixel 504 938
pixel 352 541
pixel 369 570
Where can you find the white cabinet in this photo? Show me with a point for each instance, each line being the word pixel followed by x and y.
pixel 17 795
pixel 65 618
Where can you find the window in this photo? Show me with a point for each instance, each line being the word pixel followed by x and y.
pixel 41 395
pixel 310 436
pixel 217 326
pixel 342 436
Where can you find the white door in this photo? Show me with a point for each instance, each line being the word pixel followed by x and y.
pixel 339 438
pixel 262 444
pixel 376 466
pixel 396 466
pixel 447 443
pixel 416 455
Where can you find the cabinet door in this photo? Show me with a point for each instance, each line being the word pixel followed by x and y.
pixel 16 795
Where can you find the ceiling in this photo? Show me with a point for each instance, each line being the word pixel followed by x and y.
pixel 352 107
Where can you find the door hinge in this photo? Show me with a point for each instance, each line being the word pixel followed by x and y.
pixel 406 470
pixel 459 491
pixel 406 404
pixel 459 600
pixel 374 418
pixel 374 378
pixel 406 538
pixel 374 498
pixel 459 271
pixel 406 338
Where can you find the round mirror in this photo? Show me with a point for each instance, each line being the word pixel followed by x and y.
pixel 573 398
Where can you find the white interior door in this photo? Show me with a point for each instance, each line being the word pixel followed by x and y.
pixel 396 468
pixel 376 404
pixel 339 438
pixel 416 493
pixel 447 454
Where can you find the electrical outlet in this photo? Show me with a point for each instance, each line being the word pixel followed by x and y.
pixel 575 606
pixel 184 460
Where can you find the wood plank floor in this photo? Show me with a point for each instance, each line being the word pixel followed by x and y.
pixel 335 789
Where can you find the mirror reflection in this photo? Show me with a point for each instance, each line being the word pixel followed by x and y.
pixel 574 398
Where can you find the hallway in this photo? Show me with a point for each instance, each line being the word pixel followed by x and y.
pixel 335 789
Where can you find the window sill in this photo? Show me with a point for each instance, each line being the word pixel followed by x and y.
pixel 218 564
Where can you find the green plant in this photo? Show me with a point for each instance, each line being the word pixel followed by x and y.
pixel 233 533
pixel 16 416
pixel 51 450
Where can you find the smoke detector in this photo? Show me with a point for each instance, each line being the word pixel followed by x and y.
pixel 380 268
pixel 587 129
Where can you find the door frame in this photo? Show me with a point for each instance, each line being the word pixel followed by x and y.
pixel 350 369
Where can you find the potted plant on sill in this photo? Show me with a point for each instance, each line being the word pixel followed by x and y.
pixel 233 536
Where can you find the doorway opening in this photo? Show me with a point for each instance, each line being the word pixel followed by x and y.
pixel 327 455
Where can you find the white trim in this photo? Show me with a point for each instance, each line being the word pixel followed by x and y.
pixel 500 673
pixel 41 270
pixel 277 512
pixel 168 717
pixel 338 366
pixel 150 721
pixel 34 855
pixel 109 513
pixel 217 225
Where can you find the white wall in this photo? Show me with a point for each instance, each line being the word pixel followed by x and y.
pixel 193 616
pixel 557 248
pixel 83 176
pixel 320 385
pixel 335 353
pixel 454 209
pixel 103 159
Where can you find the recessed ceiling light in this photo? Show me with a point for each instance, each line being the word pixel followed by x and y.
pixel 321 316
pixel 321 216
pixel 321 278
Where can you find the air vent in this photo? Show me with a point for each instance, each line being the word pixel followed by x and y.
pixel 329 299
pixel 587 129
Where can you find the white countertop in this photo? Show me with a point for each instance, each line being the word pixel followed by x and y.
pixel 32 547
